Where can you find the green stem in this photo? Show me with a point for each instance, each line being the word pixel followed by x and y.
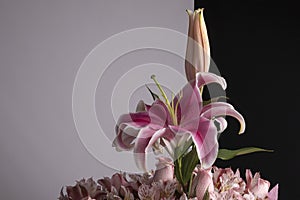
pixel 190 185
pixel 161 90
pixel 178 172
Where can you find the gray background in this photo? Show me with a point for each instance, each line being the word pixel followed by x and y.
pixel 42 45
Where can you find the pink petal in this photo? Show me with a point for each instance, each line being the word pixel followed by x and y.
pixel 125 137
pixel 205 43
pixel 273 194
pixel 206 142
pixel 204 134
pixel 205 78
pixel 190 103
pixel 164 170
pixel 190 70
pixel 201 56
pixel 225 110
pixel 166 115
pixel 261 189
pixel 117 180
pixel 222 124
pixel 249 177
pixel 145 139
pixel 190 100
pixel 158 116
pixel 105 183
pixel 202 182
pixel 215 104
pixel 140 119
pixel 129 124
pixel 197 51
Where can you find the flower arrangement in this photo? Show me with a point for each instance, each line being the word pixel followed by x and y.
pixel 188 128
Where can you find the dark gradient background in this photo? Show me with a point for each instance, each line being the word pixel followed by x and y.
pixel 255 45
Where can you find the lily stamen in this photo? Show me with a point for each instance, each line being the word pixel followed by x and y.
pixel 169 106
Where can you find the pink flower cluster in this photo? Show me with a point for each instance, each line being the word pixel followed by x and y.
pixel 213 184
pixel 230 186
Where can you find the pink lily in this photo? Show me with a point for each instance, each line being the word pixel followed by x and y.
pixel 198 50
pixel 165 122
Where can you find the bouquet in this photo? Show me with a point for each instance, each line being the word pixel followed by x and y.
pixel 187 127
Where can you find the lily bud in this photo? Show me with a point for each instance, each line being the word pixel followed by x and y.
pixel 164 170
pixel 198 50
pixel 202 182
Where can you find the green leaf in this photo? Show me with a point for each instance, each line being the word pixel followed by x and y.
pixel 189 162
pixel 154 96
pixel 185 165
pixel 177 170
pixel 226 154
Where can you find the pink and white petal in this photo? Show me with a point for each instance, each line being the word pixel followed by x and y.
pixel 206 141
pixel 198 55
pixel 262 188
pixel 190 102
pixel 222 123
pixel 249 177
pixel 190 125
pixel 210 155
pixel 201 44
pixel 205 42
pixel 204 182
pixel 127 128
pixel 141 118
pixel 190 70
pixel 143 142
pixel 225 110
pixel 125 137
pixel 273 194
pixel 205 78
pixel 215 104
pixel 158 116
pixel 164 107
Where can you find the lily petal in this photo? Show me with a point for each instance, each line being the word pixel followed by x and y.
pixel 145 139
pixel 225 110
pixel 205 136
pixel 201 58
pixel 215 104
pixel 198 50
pixel 190 102
pixel 222 123
pixel 208 150
pixel 158 116
pixel 139 119
pixel 127 128
pixel 190 70
pixel 205 78
pixel 125 138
